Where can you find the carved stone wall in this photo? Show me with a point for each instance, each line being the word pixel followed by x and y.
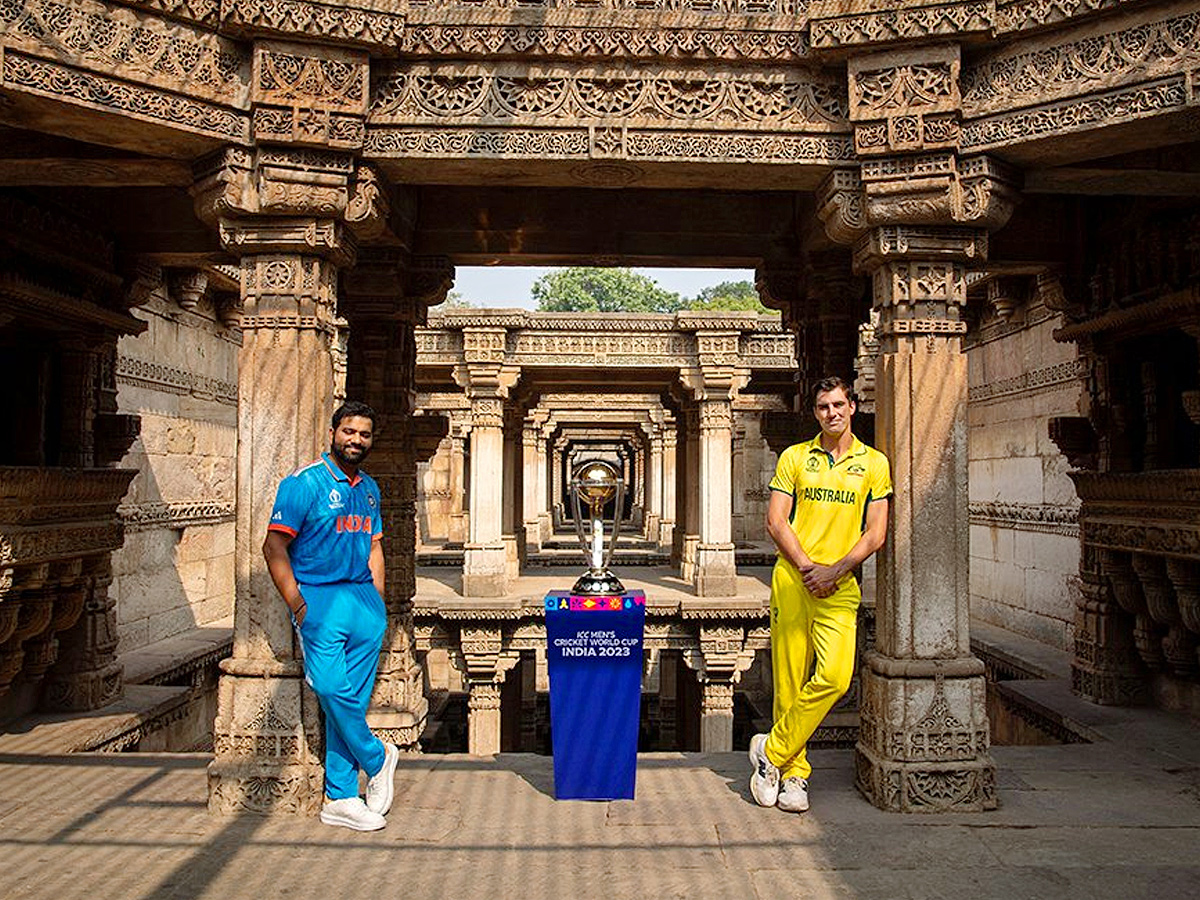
pixel 175 570
pixel 1024 510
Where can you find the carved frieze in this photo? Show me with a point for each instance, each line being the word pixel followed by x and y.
pixel 168 379
pixel 1029 382
pixel 97 91
pixel 176 514
pixel 1135 49
pixel 583 94
pixel 1074 115
pixel 112 40
pixel 1038 517
pixel 835 23
pixel 588 112
pixel 662 40
pixel 341 22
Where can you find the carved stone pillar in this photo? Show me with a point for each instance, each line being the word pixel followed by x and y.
pixel 459 434
pixel 89 674
pixel 284 216
pixel 487 382
pixel 923 744
pixel 545 520
pixel 654 467
pixel 385 296
pixel 532 482
pixel 918 214
pixel 666 527
pixel 486 664
pixel 687 537
pixel 714 387
pixel 512 527
pixel 737 464
pixel 719 664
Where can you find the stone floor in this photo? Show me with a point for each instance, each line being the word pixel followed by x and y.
pixel 1118 818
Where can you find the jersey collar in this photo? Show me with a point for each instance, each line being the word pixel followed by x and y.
pixel 336 471
pixel 857 448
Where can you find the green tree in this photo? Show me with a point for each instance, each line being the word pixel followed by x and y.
pixel 455 300
pixel 728 295
pixel 586 289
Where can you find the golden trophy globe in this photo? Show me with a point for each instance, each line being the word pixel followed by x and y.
pixel 594 484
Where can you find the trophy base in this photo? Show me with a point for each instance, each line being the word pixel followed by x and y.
pixel 598 582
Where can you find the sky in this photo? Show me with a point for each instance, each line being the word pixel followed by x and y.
pixel 509 285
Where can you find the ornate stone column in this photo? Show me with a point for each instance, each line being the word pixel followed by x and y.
pixel 719 663
pixel 737 513
pixel 687 537
pixel 533 482
pixel 486 664
pixel 512 527
pixel 545 520
pixel 918 223
pixel 385 296
pixel 653 433
pixel 666 527
pixel 714 386
pixel 283 215
pixel 459 434
pixel 924 737
pixel 486 381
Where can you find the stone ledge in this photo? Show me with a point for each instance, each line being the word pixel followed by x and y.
pixel 1015 653
pixel 177 657
pixel 141 710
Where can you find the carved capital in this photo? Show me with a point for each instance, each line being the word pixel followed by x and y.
pixel 938 189
pixel 779 285
pixel 841 205
pixel 430 279
pixel 279 200
pixel 188 287
pixel 368 208
pixel 713 383
pixel 905 242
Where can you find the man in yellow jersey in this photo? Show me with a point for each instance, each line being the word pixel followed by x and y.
pixel 828 512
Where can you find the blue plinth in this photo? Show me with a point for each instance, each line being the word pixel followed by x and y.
pixel 594 656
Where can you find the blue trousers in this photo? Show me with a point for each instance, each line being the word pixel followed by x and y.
pixel 341 637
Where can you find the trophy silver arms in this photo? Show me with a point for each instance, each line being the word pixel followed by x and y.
pixel 594 484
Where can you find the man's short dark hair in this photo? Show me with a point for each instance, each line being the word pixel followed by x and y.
pixel 352 408
pixel 831 383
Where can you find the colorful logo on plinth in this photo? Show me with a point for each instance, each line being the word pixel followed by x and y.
pixel 582 603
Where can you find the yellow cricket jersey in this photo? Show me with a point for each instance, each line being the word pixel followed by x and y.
pixel 830 498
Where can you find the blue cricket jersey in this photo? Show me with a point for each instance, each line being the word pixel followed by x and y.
pixel 332 519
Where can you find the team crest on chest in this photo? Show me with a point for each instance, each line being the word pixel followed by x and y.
pixel 812 464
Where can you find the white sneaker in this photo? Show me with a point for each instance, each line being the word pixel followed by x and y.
pixel 351 812
pixel 381 786
pixel 793 795
pixel 764 780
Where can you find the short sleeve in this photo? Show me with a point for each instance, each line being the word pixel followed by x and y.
pixel 785 473
pixel 290 505
pixel 377 517
pixel 881 478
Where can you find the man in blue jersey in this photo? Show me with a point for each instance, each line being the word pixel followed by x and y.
pixel 324 553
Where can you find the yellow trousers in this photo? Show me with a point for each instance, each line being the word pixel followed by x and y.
pixel 812 658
